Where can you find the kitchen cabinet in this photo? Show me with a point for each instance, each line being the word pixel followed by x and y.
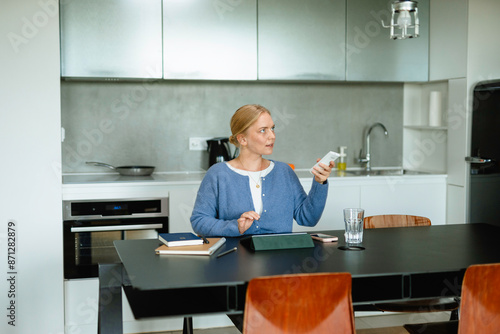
pixel 299 40
pixel 341 194
pixel 422 195
pixel 458 126
pixel 458 149
pixel 181 204
pixel 372 56
pixel 404 194
pixel 448 37
pixel 210 39
pixel 418 196
pixel 81 298
pixel 111 39
pixel 238 40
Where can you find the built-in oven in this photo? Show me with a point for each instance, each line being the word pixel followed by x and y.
pixel 91 227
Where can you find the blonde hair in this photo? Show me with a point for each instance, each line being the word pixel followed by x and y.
pixel 243 118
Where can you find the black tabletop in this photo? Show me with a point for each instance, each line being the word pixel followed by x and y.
pixel 388 251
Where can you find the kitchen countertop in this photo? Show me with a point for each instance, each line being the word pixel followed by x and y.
pixel 112 186
pixel 196 177
pixel 114 178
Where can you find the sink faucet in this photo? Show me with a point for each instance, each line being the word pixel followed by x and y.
pixel 366 159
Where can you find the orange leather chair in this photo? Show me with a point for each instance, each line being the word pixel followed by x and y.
pixel 395 221
pixel 426 305
pixel 299 303
pixel 480 310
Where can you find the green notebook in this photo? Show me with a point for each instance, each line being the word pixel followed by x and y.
pixel 278 241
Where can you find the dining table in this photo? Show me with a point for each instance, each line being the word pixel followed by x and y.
pixel 393 264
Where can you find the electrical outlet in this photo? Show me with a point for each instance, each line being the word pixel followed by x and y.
pixel 198 143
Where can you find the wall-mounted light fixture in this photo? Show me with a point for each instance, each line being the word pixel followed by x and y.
pixel 403 9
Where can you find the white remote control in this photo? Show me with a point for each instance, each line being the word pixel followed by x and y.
pixel 330 156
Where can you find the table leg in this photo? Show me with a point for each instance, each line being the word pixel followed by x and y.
pixel 187 326
pixel 110 320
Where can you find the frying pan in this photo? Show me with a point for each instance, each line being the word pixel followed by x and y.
pixel 126 170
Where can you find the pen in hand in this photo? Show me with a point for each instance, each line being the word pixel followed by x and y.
pixel 227 252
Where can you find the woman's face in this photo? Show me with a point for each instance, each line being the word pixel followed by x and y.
pixel 259 137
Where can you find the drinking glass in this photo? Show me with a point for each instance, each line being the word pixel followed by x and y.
pixel 353 218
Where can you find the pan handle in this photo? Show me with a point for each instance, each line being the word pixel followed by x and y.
pixel 478 160
pixel 100 164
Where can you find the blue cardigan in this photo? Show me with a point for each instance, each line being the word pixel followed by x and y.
pixel 224 195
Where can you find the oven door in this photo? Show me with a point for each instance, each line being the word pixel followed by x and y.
pixel 90 242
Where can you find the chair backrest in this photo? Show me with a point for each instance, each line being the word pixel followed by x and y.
pixel 480 305
pixel 299 303
pixel 395 221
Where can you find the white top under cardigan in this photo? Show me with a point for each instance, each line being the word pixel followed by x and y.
pixel 254 179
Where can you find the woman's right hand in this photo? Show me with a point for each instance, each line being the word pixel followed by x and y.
pixel 246 220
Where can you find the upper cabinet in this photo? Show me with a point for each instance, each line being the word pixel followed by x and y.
pixel 372 56
pixel 111 39
pixel 448 40
pixel 210 39
pixel 301 40
pixel 311 40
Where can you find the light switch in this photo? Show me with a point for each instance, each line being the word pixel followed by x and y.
pixel 198 143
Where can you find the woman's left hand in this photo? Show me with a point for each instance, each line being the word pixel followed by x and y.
pixel 322 172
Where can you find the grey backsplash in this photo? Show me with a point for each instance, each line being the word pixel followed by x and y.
pixel 149 123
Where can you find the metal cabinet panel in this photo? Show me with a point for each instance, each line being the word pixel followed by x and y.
pixel 372 56
pixel 210 39
pixel 448 37
pixel 111 38
pixel 301 40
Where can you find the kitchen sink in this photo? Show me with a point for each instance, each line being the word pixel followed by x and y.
pixel 383 172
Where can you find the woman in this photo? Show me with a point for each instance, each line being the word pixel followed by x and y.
pixel 254 195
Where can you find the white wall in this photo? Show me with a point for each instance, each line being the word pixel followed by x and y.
pixel 155 129
pixel 30 177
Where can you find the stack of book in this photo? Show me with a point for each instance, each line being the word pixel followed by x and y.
pixel 187 244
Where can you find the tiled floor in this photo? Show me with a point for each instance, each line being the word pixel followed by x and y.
pixel 383 324
pixel 393 323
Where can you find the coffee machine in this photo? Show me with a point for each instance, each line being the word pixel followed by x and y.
pixel 218 150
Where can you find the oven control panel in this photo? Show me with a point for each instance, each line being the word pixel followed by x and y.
pixel 115 208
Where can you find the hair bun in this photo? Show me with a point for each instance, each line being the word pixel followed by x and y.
pixel 233 140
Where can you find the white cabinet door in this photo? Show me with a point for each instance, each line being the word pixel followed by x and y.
pixel 111 39
pixel 81 302
pixel 458 133
pixel 181 204
pixel 411 197
pixel 210 39
pixel 300 40
pixel 340 195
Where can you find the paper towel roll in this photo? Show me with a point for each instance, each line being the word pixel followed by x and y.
pixel 435 115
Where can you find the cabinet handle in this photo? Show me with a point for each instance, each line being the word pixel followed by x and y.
pixel 116 228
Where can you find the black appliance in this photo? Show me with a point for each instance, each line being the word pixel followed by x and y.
pixel 91 227
pixel 484 159
pixel 218 150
